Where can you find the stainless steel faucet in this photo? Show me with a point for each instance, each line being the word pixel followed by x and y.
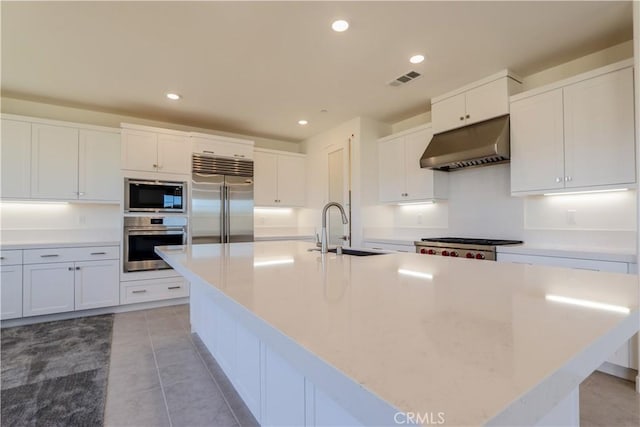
pixel 324 244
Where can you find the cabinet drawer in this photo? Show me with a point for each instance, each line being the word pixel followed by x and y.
pixel 153 290
pixel 581 264
pixel 37 256
pixel 389 247
pixel 221 148
pixel 12 257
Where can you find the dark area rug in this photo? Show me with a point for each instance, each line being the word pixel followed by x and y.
pixel 55 373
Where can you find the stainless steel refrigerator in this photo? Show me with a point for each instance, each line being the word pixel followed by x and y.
pixel 221 200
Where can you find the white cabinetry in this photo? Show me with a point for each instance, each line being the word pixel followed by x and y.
pixel 576 134
pixel 15 147
pixel 54 162
pixel 401 178
pixel 43 159
pixel 284 393
pixel 156 150
pixel 137 291
pixel 627 355
pixel 214 145
pixel 10 284
pixel 65 279
pixel 279 178
pixel 473 103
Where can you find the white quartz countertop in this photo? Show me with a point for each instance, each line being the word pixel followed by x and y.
pixel 480 341
pixel 35 239
pixel 600 254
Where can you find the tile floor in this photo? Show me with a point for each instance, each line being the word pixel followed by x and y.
pixel 161 375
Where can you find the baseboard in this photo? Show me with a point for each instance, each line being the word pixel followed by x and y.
pixel 94 312
pixel 618 371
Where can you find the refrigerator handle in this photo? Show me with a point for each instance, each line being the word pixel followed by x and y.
pixel 223 232
pixel 227 215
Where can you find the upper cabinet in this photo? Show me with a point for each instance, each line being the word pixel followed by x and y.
pixel 574 135
pixel 59 161
pixel 155 150
pixel 279 178
pixel 213 145
pixel 476 102
pixel 401 177
pixel 15 147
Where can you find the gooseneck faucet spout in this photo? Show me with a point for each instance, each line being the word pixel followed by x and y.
pixel 325 240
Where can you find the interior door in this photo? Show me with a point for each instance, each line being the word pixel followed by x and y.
pixel 239 208
pixel 206 208
pixel 339 191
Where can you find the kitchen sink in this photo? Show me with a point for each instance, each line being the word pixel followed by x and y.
pixel 356 252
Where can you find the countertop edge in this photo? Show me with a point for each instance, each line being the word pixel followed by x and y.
pixel 578 253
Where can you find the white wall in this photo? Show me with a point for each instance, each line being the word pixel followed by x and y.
pixel 78 115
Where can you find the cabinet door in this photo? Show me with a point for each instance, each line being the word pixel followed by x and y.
pixel 247 369
pixel 487 101
pixel 47 288
pixel 283 392
pixel 174 154
pixel 54 162
pixel 10 291
pixel 419 181
pixel 599 131
pixel 139 150
pixel 291 180
pixel 97 284
pixel 391 159
pixel 15 146
pixel 265 173
pixel 225 342
pixel 448 113
pixel 99 166
pixel 537 150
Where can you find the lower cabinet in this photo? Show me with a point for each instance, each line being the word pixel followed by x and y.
pixel 48 288
pixel 153 290
pixel 627 355
pixel 94 284
pixel 70 279
pixel 275 391
pixel 10 291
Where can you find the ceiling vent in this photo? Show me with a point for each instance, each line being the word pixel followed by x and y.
pixel 405 78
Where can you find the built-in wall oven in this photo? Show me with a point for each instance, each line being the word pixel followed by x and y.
pixel 147 195
pixel 143 233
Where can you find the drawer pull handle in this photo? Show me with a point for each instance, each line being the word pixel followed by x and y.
pixel 49 256
pixel 139 292
pixel 1 258
pixel 70 268
pixel 174 287
pixel 238 155
pixel 98 253
pixel 209 151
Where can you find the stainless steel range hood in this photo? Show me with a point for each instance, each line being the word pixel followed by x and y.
pixel 480 144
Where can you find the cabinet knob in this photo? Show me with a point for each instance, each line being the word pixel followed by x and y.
pixel 77 268
pixel 461 117
pixel 467 116
pixel 155 166
pixel 558 179
pixel 70 268
pixel 81 193
pixel 567 178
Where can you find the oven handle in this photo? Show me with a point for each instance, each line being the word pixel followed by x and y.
pixel 171 231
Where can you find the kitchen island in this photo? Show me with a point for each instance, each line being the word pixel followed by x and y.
pixel 313 339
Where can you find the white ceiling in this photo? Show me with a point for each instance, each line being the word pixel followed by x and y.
pixel 258 67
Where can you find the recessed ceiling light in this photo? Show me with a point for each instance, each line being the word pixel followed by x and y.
pixel 340 25
pixel 173 96
pixel 302 122
pixel 416 59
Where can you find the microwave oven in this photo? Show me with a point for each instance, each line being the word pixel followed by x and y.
pixel 141 195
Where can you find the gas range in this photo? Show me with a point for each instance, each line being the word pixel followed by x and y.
pixel 462 247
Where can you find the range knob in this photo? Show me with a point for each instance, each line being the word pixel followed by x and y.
pixel 470 255
pixel 479 256
pixel 454 253
pixel 423 251
pixel 431 252
pixel 445 253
